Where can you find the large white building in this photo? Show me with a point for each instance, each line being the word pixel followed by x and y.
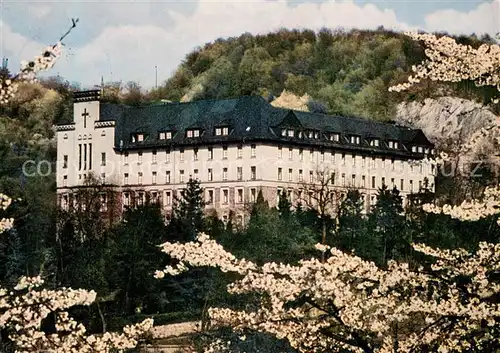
pixel 235 147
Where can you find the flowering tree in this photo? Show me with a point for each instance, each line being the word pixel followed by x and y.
pixel 27 308
pixel 347 303
pixel 449 61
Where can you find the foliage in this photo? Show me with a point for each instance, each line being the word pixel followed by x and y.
pixel 344 72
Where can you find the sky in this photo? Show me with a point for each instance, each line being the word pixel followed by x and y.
pixel 125 40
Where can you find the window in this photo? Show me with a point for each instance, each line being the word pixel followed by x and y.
pixel 373 162
pixel 363 159
pixel 374 143
pixel 414 148
pixel 210 197
pixel 393 184
pixel 335 137
pixel 154 178
pixel 311 155
pixel 290 154
pixel 420 149
pixel 343 179
pixel 363 181
pixel 290 172
pixel 65 180
pixel 218 131
pixel 253 173
pixel 65 161
pixel 373 183
pixel 343 158
pixel 125 158
pixel 301 154
pixel 353 180
pixel 253 152
pixel 169 135
pixel 140 137
pixel 240 152
pixel 355 139
pixel 224 174
pixel 139 157
pixel 210 153
pixel 311 176
pixel 353 159
pixel 332 179
pixel 280 174
pixel 419 185
pixel 167 177
pixel 139 178
pixel 224 152
pixel 240 196
pixel 383 181
pixel 253 195
pixel 154 157
pixel 181 176
pixel 125 178
pixel 167 156
pixel 225 196
pixel 393 166
pixel 421 167
pixel 322 156
pixel 126 199
pixel 195 154
pixel 283 132
pixel 301 176
pixel 181 151
pixel 189 133
pixel 161 136
pixel 402 185
pixel 280 152
pixel 168 198
pixel 196 133
pixel 333 156
pixel 225 131
pixel 411 185
pixel 290 133
pixel 195 174
pixel 210 174
pixel 239 173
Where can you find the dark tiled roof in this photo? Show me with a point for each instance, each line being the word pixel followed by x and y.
pixel 250 118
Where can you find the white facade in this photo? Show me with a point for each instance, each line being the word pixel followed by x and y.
pixel 231 174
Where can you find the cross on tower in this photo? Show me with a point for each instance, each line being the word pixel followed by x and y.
pixel 85 114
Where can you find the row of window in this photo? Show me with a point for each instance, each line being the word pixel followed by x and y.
pixel 190 133
pixel 195 175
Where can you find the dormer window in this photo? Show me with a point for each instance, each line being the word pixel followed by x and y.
pixel 291 133
pixel 224 131
pixel 138 137
pixel 375 142
pixel 420 149
pixel 283 132
pixel 427 151
pixel 355 139
pixel 414 149
pixel 393 144
pixel 193 133
pixel 310 134
pixel 316 134
pixel 301 134
pixel 335 137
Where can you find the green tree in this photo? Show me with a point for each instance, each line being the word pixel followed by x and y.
pixel 351 221
pixel 388 225
pixel 188 218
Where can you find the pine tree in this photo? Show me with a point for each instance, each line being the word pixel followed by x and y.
pixel 188 218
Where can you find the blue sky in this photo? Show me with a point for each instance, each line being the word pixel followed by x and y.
pixel 124 40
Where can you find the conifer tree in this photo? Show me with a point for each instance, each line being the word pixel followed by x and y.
pixel 188 219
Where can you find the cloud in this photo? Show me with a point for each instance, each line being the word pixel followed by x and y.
pixel 485 18
pixel 131 52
